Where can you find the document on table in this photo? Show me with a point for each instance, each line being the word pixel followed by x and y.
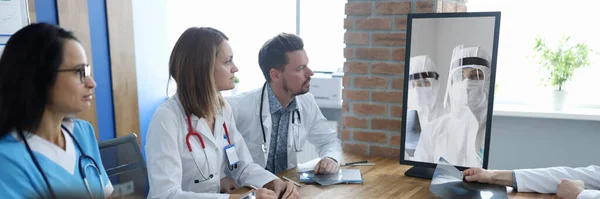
pixel 447 182
pixel 344 176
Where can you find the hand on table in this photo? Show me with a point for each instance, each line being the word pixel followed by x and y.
pixel 227 185
pixel 478 175
pixel 262 193
pixel 327 166
pixel 569 189
pixel 285 190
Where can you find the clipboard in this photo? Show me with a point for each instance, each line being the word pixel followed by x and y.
pixel 344 176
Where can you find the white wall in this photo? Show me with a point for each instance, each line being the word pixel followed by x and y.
pixel 151 57
pixel 519 143
pixel 424 38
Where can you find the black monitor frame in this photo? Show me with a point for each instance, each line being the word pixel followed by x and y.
pixel 424 169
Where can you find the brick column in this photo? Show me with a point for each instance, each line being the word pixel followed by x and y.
pixel 373 82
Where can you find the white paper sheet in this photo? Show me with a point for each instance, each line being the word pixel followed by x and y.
pixel 13 16
pixel 447 182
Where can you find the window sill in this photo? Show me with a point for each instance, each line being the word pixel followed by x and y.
pixel 328 104
pixel 509 110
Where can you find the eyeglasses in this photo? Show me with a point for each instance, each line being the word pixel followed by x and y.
pixel 84 70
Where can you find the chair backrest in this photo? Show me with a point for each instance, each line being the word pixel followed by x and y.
pixel 125 165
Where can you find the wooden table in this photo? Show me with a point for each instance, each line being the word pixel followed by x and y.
pixel 385 180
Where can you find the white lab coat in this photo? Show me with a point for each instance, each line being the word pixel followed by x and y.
pixel 172 171
pixel 546 180
pixel 313 127
pixel 453 137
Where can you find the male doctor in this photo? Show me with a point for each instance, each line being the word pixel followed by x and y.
pixel 279 118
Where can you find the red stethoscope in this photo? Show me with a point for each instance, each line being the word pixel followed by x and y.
pixel 192 132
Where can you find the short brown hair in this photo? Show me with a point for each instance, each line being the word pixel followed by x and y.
pixel 273 54
pixel 191 66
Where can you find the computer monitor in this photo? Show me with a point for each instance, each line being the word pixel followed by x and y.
pixel 449 80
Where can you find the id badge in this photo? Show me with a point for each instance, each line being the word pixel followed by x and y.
pixel 231 154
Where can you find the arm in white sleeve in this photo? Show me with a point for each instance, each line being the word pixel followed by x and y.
pixel 325 139
pixel 164 161
pixel 248 172
pixel 546 180
pixel 589 194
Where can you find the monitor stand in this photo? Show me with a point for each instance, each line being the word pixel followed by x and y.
pixel 420 172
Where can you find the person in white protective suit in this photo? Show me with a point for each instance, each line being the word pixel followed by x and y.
pixel 422 98
pixel 459 135
pixel 423 88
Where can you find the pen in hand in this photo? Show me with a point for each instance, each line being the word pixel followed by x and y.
pixel 290 180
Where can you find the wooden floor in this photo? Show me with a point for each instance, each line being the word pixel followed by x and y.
pixel 385 180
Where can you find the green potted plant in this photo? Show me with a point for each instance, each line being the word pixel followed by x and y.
pixel 560 63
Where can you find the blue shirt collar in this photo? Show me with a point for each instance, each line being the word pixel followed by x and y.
pixel 274 104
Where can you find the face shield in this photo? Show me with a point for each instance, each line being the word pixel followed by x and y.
pixel 423 84
pixel 469 78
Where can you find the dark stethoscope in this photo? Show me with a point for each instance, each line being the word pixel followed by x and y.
pixel 82 169
pixel 192 132
pixel 295 128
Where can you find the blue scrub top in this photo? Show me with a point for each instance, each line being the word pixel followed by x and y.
pixel 21 179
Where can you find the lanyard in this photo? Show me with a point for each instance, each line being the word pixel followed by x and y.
pixel 226 133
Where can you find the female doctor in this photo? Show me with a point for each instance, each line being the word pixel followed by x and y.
pixel 192 141
pixel 44 153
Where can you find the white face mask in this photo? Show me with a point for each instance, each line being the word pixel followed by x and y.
pixel 421 98
pixel 477 94
pixel 469 92
pixel 458 93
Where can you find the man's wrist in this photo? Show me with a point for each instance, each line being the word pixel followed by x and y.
pixel 504 178
pixel 332 159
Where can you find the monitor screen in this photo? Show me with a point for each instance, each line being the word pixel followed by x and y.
pixel 449 78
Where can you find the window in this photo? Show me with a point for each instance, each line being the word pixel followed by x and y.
pixel 249 24
pixel 322 29
pixel 518 75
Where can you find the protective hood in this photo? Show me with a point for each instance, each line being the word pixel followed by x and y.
pixel 423 85
pixel 469 80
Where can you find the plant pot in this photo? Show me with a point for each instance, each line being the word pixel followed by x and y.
pixel 559 99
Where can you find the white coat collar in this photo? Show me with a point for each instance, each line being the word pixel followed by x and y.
pixel 201 126
pixel 266 111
